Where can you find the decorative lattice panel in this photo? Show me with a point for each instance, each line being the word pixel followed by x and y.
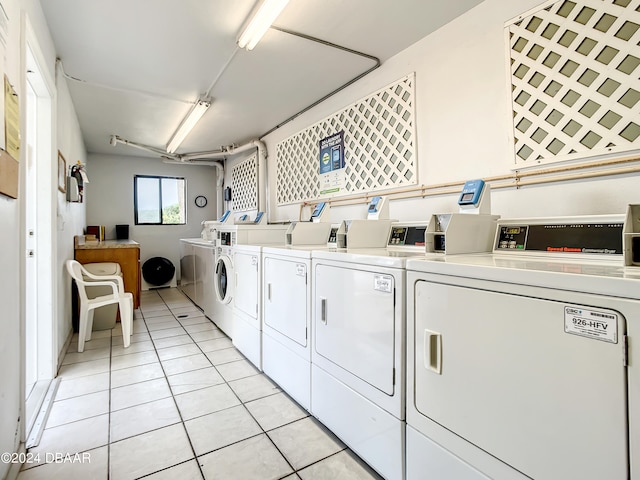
pixel 379 146
pixel 575 80
pixel 244 184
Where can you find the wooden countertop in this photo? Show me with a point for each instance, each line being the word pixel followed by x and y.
pixel 81 244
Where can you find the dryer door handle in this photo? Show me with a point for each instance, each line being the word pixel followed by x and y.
pixel 269 292
pixel 323 310
pixel 433 351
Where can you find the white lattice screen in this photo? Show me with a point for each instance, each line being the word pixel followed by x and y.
pixel 575 83
pixel 379 146
pixel 244 184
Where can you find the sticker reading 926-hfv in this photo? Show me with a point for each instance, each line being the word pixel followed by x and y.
pixel 597 324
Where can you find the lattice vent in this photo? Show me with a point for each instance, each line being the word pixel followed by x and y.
pixel 244 184
pixel 575 84
pixel 379 144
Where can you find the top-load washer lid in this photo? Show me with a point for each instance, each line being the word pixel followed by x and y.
pixel 103 268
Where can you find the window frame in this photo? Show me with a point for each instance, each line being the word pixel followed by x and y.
pixel 159 178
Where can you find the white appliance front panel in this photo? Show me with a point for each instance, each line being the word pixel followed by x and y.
pixel 187 269
pixel 286 297
pixel 373 433
pixel 224 319
pixel 289 370
pixel 208 283
pixel 247 283
pixel 426 458
pixel 502 368
pixel 355 322
pixel 247 339
pixel 204 274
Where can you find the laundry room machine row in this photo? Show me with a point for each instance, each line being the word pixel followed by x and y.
pixel 198 262
pixel 520 362
pixel 357 334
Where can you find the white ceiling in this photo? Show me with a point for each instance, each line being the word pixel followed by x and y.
pixel 140 64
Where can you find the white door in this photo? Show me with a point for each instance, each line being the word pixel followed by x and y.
pixel 247 282
pixel 31 266
pixel 286 298
pixel 500 371
pixel 354 324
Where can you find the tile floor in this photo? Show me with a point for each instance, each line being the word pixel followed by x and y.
pixel 180 403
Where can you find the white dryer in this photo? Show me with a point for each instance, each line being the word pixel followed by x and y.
pixel 286 309
pixel 358 338
pixel 247 318
pixel 240 250
pixel 517 360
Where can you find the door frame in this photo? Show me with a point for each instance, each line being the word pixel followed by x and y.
pixel 32 58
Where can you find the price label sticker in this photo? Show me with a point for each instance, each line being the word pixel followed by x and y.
pixel 596 324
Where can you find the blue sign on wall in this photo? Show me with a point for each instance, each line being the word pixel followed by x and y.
pixel 332 163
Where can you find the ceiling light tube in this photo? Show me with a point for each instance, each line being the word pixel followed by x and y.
pixel 187 124
pixel 260 23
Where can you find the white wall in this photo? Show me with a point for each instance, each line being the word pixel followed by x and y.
pixel 462 123
pixel 109 198
pixel 19 12
pixel 71 216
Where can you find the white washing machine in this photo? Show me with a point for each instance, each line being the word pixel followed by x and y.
pixel 286 310
pixel 358 338
pixel 198 258
pixel 197 265
pixel 238 283
pixel 519 362
pixel 223 287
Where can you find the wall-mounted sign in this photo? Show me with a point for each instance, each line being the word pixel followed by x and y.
pixel 332 176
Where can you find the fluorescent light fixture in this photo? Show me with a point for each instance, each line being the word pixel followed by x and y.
pixel 188 123
pixel 260 23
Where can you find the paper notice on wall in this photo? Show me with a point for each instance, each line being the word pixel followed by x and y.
pixel 332 175
pixel 11 120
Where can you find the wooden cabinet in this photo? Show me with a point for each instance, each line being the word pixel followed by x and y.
pixel 124 252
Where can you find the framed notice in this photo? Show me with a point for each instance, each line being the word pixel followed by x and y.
pixel 8 175
pixel 331 172
pixel 62 173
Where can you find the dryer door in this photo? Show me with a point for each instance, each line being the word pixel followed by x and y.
pixel 509 373
pixel 286 298
pixel 223 286
pixel 355 322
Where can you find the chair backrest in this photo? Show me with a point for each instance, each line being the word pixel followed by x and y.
pixel 75 270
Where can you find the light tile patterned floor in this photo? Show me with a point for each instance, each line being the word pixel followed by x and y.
pixel 180 403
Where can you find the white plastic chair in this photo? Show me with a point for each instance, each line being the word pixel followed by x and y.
pixel 88 305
